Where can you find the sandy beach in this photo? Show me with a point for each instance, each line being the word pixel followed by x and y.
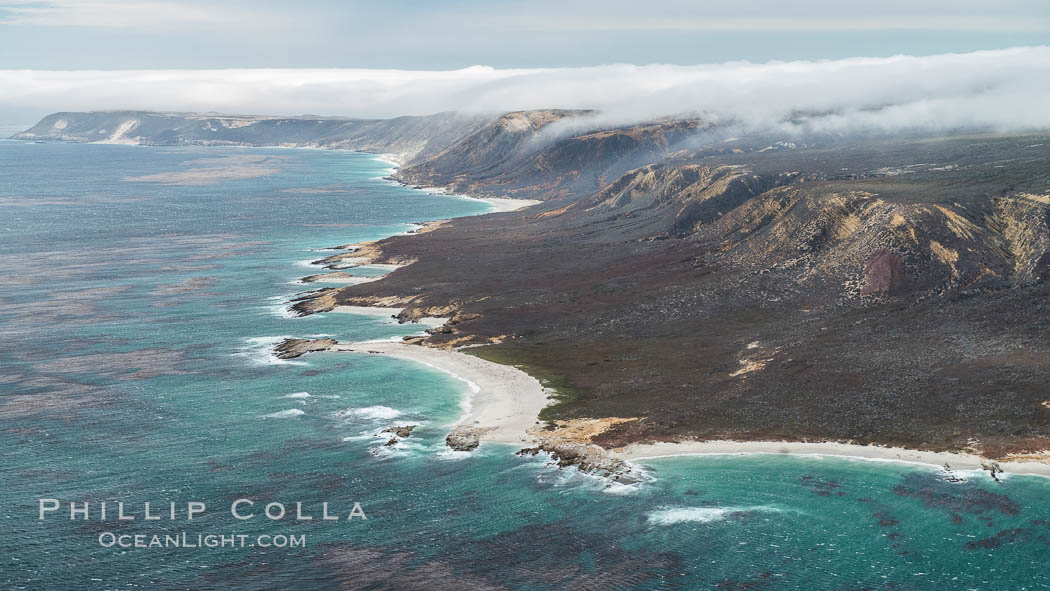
pixel 501 400
pixel 957 461
pixel 499 204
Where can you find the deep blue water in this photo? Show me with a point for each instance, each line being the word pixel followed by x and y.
pixel 137 312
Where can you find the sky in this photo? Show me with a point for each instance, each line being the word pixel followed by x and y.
pixel 453 34
pixel 384 58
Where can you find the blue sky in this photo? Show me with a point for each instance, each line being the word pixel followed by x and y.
pixel 412 34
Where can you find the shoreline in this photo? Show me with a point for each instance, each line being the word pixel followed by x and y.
pixel 501 402
pixel 498 204
pixel 639 452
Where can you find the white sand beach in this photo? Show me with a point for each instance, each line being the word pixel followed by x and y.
pixel 343 280
pixel 501 400
pixel 368 311
pixel 500 204
pixel 957 461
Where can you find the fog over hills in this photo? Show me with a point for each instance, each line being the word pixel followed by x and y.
pixel 1004 89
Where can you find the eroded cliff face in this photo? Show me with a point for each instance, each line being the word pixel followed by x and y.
pixel 692 195
pixel 823 237
pixel 1024 225
pixel 863 246
pixel 522 155
pixel 495 147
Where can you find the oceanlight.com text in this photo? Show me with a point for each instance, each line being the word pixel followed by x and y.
pixel 188 540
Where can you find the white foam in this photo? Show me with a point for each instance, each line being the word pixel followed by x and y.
pixel 259 351
pixel 967 475
pixel 285 414
pixel 391 161
pixel 401 447
pixel 673 515
pixel 298 395
pixel 370 412
pixel 362 436
pixel 451 454
pixel 496 204
pixel 620 489
pixel 281 310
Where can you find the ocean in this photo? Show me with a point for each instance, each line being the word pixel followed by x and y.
pixel 142 289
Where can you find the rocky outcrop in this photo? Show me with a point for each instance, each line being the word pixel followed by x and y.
pixel 292 348
pixel 333 276
pixel 401 431
pixel 570 443
pixel 315 302
pixel 464 438
pixel 587 458
pixel 361 253
pixel 398 433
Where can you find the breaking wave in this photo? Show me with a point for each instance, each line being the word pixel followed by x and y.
pixel 370 412
pixel 674 515
pixel 285 414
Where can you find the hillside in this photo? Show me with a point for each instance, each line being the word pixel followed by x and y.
pixel 881 291
pixel 527 155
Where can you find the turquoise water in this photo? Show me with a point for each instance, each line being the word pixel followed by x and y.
pixel 137 315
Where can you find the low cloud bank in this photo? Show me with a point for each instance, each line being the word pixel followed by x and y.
pixel 1005 89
